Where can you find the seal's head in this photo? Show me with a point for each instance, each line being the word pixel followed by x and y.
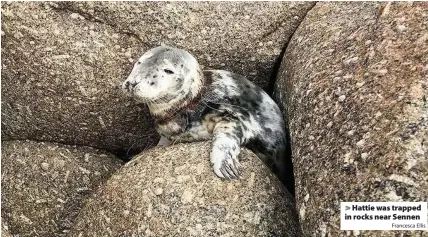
pixel 163 75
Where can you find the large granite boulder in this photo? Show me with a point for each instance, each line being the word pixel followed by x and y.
pixel 172 191
pixel 62 62
pixel 60 77
pixel 44 184
pixel 353 84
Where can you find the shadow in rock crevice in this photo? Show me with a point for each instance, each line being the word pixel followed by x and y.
pixel 271 90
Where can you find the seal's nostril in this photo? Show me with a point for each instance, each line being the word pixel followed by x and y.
pixel 151 83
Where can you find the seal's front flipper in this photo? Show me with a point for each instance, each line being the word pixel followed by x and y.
pixel 225 150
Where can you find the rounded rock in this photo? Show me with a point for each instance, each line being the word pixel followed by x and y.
pixel 44 201
pixel 256 205
pixel 383 116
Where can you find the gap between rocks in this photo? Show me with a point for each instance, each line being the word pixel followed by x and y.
pixel 270 90
pixel 277 65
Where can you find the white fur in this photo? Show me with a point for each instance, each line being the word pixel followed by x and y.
pixel 145 56
pixel 165 83
pixel 254 128
pixel 219 154
pixel 226 82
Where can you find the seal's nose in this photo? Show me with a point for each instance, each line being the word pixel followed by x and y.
pixel 128 86
pixel 132 85
pixel 125 85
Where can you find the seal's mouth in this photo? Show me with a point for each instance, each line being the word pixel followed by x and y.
pixel 128 89
pixel 131 90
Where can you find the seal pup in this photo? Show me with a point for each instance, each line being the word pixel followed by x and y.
pixel 189 104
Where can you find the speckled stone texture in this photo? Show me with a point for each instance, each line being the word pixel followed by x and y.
pixel 4 229
pixel 62 62
pixel 60 81
pixel 172 191
pixel 44 184
pixel 354 84
pixel 5 234
pixel 242 37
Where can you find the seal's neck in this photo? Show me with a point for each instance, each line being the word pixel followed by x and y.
pixel 192 94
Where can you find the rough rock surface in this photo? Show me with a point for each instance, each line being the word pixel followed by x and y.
pixel 5 233
pixel 4 229
pixel 172 191
pixel 243 37
pixel 354 84
pixel 62 62
pixel 43 184
pixel 60 77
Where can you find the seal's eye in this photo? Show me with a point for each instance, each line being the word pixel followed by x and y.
pixel 168 71
pixel 138 62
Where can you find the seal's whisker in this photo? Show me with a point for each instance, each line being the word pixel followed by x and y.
pixel 149 145
pixel 209 106
pixel 129 149
pixel 176 140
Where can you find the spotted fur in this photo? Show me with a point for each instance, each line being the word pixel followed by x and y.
pixel 189 104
